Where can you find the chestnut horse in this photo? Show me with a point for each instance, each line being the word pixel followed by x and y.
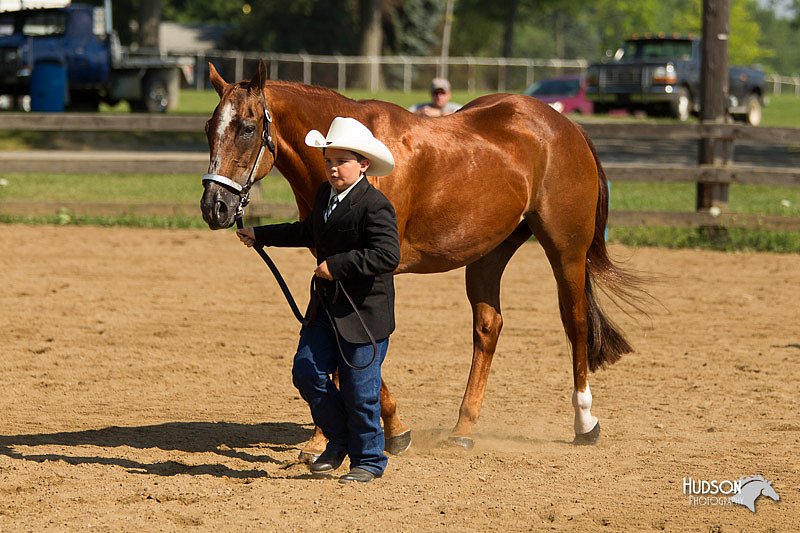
pixel 469 189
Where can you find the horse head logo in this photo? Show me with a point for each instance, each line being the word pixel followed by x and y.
pixel 751 488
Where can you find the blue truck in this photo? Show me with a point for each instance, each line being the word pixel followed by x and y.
pixel 660 75
pixel 80 38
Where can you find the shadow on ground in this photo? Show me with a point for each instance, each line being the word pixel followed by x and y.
pixel 222 438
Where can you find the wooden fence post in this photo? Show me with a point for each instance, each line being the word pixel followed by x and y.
pixel 714 95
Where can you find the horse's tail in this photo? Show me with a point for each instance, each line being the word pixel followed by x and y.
pixel 607 343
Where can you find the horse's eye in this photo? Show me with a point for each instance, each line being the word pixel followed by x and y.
pixel 249 129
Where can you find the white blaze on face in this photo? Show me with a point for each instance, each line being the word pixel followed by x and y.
pixel 582 402
pixel 226 116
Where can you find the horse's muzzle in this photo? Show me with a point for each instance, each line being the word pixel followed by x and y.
pixel 218 205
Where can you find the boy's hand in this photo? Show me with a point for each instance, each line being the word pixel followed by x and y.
pixel 247 236
pixel 323 272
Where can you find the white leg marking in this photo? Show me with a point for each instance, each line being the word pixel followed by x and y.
pixel 582 402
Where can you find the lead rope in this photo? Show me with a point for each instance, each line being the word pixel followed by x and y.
pixel 278 277
pixel 336 334
pixel 299 316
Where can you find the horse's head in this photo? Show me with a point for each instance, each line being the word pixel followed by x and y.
pixel 769 491
pixel 241 145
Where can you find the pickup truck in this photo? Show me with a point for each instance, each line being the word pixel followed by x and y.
pixel 80 37
pixel 661 76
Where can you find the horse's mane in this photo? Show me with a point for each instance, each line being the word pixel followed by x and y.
pixel 324 97
pixel 306 90
pixel 745 480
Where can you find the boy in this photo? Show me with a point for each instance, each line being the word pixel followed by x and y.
pixel 353 229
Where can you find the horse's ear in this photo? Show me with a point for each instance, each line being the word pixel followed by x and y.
pixel 216 80
pixel 259 79
pixel 262 69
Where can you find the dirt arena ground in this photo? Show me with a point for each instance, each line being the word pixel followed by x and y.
pixel 146 387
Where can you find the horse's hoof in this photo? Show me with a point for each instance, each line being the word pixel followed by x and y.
pixel 592 437
pixel 462 442
pixel 399 443
pixel 307 457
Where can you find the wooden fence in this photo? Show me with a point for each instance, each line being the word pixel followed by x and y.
pixel 722 172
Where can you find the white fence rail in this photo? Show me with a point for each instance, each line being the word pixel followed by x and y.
pixel 406 73
pixel 779 84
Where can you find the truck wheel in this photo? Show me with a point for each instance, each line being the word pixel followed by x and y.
pixel 23 103
pixel 155 96
pixel 681 107
pixel 601 108
pixel 753 106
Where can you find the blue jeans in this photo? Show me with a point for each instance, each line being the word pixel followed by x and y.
pixel 350 417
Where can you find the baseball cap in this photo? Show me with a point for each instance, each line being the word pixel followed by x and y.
pixel 440 84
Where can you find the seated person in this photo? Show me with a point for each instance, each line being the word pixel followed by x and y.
pixel 440 104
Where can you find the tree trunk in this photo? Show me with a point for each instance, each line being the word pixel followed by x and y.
pixel 149 20
pixel 512 7
pixel 508 40
pixel 445 52
pixel 560 40
pixel 371 43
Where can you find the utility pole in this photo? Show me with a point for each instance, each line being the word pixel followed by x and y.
pixel 714 96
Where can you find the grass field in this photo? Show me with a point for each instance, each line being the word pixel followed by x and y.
pixel 144 188
pixel 755 199
pixel 129 188
pixel 176 188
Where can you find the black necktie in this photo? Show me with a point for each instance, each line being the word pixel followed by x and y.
pixel 331 206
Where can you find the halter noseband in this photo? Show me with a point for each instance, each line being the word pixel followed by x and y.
pixel 244 190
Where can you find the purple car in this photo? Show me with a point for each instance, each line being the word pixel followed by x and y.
pixel 565 94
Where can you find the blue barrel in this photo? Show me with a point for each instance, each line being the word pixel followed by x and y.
pixel 48 86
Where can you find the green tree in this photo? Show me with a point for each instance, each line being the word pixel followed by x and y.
pixel 747 44
pixel 317 26
pixel 780 35
pixel 193 11
pixel 412 27
pixel 311 26
pixel 559 33
pixel 617 20
pixel 502 20
pixel 746 40
pixel 514 28
pixel 474 34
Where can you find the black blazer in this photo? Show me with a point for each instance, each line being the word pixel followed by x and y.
pixel 361 245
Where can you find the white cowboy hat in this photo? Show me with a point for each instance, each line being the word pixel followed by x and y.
pixel 349 134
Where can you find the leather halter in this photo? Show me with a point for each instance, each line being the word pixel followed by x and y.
pixel 244 190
